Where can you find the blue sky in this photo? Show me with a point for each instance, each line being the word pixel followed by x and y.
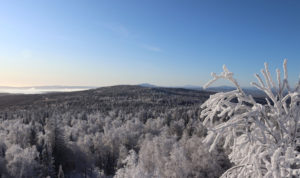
pixel 163 42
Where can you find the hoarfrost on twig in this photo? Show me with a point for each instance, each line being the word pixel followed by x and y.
pixel 264 139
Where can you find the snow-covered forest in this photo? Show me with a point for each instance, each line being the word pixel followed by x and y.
pixel 144 132
pixel 121 131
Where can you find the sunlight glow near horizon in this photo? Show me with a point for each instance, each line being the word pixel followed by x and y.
pixel 169 43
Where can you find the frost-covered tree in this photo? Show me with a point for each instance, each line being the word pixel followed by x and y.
pixel 47 162
pixel 264 139
pixel 128 130
pixel 166 157
pixel 22 162
pixel 56 142
pixel 2 156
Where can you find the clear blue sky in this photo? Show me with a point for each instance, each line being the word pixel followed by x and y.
pixel 163 42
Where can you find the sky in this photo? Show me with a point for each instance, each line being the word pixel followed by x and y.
pixel 162 42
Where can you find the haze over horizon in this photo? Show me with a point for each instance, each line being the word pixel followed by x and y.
pixel 165 43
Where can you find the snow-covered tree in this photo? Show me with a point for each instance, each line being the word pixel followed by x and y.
pixel 166 157
pixel 2 156
pixel 56 142
pixel 22 162
pixel 264 139
pixel 47 162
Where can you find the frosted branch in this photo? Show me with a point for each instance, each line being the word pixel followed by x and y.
pixel 263 137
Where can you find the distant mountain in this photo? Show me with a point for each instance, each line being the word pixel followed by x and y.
pixel 130 96
pixel 249 90
pixel 4 90
pixel 221 88
pixel 60 88
pixel 192 87
pixel 107 98
pixel 148 85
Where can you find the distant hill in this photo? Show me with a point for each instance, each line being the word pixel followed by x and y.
pixel 148 85
pixel 249 90
pixel 128 96
pixel 5 90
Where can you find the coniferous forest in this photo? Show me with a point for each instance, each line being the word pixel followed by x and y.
pixel 120 131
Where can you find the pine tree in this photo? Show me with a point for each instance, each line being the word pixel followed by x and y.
pixel 56 141
pixel 47 162
pixel 33 134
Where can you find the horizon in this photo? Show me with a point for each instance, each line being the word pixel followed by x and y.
pixel 50 89
pixel 169 43
pixel 138 84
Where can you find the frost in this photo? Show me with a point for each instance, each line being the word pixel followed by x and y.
pixel 263 139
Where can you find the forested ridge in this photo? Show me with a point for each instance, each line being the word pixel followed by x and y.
pixel 121 131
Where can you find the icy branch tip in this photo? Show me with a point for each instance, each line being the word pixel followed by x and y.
pixel 225 68
pixel 266 65
pixel 285 62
